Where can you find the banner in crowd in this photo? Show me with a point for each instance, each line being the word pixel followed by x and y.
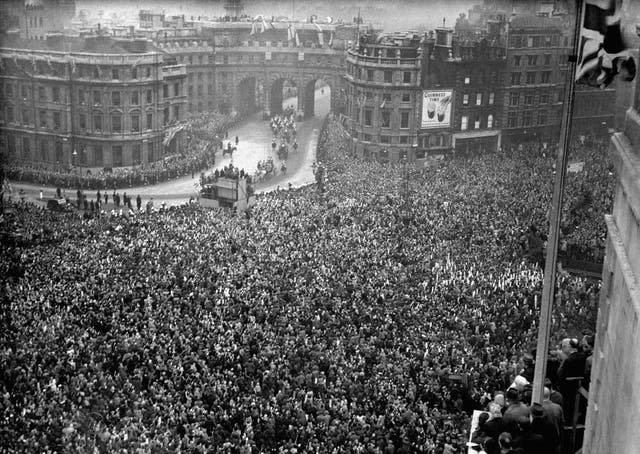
pixel 436 108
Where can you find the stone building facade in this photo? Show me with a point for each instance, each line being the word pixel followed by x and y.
pixel 93 102
pixel 383 86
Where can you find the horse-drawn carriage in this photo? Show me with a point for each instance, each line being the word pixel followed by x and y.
pixel 283 152
pixel 266 169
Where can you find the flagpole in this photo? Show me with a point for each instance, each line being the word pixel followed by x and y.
pixel 549 279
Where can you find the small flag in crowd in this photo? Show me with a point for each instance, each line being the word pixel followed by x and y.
pixel 602 52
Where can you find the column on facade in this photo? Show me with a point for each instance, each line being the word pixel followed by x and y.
pixel 301 93
pixel 266 97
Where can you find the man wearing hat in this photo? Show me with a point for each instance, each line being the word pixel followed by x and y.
pixel 542 426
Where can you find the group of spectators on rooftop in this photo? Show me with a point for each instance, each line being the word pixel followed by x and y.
pixel 359 319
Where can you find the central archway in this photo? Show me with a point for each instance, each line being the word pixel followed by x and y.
pixel 284 94
pixel 317 98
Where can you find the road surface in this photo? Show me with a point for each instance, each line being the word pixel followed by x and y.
pixel 254 145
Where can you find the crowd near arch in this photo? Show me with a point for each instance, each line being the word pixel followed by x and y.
pixel 359 318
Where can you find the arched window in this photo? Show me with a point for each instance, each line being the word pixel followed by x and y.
pixel 490 121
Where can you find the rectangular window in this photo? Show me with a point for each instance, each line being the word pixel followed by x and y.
pixel 135 123
pixel 516 60
pixel 25 116
pixel 467 81
pixel 530 41
pixel 136 155
pixel 526 118
pixel 176 113
pixel 148 72
pixel 515 78
pixel 42 94
pixel 116 151
pixel 82 122
pixel 149 121
pixel 97 98
pixel 26 147
pixel 478 99
pixel 165 91
pixel 134 73
pixel 542 117
pixel 115 98
pixel 96 73
pixel 465 99
pixel 544 98
pixel 165 119
pixel 489 121
pixel 528 100
pixel 367 117
pixel 82 97
pixel 512 119
pixel 406 77
pixel 404 139
pixel 531 77
pixel 115 74
pixel 388 77
pixel 476 124
pixel 545 77
pixel 116 123
pixel 149 96
pixel 190 90
pixel 57 121
pixel 97 155
pixel 44 150
pixel 10 114
pixel 547 59
pixel 385 139
pixel 176 89
pixel 491 98
pixel 135 98
pixel 404 119
pixel 532 60
pixel 42 116
pixel 370 75
pixel 200 90
pixel 514 99
pixel 58 151
pixel 56 94
pixel 406 97
pixel 25 91
pixel 9 90
pixel 385 118
pixel 97 123
pixel 464 120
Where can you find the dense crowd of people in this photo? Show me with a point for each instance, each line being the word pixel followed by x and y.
pixel 204 134
pixel 360 318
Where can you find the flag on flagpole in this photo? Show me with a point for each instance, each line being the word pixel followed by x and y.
pixel 602 51
pixel 297 39
pixel 384 103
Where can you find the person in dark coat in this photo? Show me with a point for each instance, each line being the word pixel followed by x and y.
pixel 515 411
pixel 495 426
pixel 528 441
pixel 545 428
pixel 138 202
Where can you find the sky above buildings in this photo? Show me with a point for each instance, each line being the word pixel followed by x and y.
pixel 390 15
